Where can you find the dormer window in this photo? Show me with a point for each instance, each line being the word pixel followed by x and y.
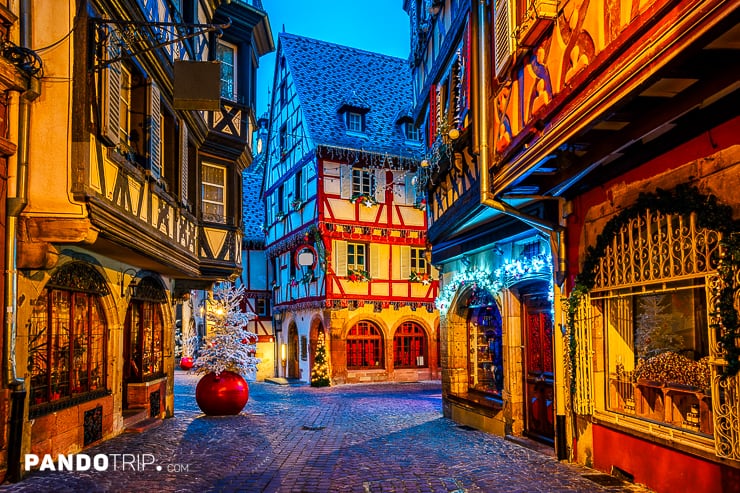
pixel 355 122
pixel 411 132
pixel 353 111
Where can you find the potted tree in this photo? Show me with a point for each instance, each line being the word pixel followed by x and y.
pixel 227 355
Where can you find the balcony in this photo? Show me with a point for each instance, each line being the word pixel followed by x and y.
pixel 230 128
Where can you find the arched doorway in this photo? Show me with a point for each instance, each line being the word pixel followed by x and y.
pixel 293 370
pixel 539 390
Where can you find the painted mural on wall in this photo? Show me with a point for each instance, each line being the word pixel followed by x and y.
pixel 560 62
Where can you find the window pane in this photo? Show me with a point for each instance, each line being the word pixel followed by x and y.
pixel 364 347
pixel 225 55
pixel 214 193
pixel 68 359
pixel 658 349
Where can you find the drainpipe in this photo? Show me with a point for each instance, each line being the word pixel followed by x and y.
pixel 17 171
pixel 555 232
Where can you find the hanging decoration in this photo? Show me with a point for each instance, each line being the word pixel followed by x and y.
pixel 507 275
pixel 363 198
pixel 358 275
pixel 421 277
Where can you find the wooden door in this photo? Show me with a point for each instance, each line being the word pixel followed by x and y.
pixel 539 389
pixel 293 369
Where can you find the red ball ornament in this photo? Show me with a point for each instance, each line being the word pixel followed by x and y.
pixel 222 395
pixel 186 363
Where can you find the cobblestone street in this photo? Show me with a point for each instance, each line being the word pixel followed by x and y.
pixel 361 438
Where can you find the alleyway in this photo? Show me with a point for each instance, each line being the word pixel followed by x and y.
pixel 363 439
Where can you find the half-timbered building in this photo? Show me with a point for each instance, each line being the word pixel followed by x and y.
pixel 257 292
pixel 346 229
pixel 136 145
pixel 585 222
pixel 19 70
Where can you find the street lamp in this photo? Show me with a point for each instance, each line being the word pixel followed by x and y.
pixel 277 326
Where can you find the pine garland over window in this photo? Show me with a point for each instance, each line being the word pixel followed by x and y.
pixel 683 200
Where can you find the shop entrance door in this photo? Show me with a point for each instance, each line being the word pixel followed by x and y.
pixel 538 387
pixel 293 370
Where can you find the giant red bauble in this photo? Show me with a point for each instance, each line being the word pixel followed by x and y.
pixel 222 395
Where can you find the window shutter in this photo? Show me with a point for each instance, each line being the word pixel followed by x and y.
pixel 374 269
pixel 155 131
pixel 404 262
pixel 345 181
pixel 380 186
pixel 184 161
pixel 410 189
pixel 111 104
pixel 340 258
pixel 504 35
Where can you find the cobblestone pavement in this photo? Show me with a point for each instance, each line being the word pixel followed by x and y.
pixel 351 438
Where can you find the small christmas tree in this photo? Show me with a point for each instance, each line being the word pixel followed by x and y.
pixel 229 346
pixel 657 327
pixel 320 370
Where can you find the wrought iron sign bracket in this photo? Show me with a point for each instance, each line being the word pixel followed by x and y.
pixel 135 38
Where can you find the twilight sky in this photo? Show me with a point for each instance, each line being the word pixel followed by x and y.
pixel 381 26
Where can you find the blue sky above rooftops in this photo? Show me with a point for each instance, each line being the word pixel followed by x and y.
pixel 380 26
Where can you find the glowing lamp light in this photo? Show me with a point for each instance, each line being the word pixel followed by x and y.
pixel 424 163
pixel 454 133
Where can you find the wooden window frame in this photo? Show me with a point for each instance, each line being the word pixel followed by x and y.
pixel 365 347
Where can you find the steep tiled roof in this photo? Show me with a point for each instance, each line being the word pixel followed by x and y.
pixel 253 208
pixel 328 76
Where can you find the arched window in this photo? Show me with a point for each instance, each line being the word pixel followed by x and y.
pixel 409 346
pixel 486 362
pixel 68 337
pixel 144 336
pixel 364 347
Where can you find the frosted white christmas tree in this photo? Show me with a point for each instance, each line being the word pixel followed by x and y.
pixel 228 346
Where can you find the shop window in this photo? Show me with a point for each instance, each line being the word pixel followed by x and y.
pixel 657 351
pixel 214 193
pixel 409 346
pixel 145 345
pixel 485 363
pixel 364 347
pixel 68 338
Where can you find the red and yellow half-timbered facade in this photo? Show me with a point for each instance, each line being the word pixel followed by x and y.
pixel 599 231
pixel 346 227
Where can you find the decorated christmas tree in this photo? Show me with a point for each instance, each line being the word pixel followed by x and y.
pixel 228 344
pixel 656 327
pixel 320 370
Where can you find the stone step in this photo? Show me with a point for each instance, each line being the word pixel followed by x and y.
pixel 144 425
pixel 133 415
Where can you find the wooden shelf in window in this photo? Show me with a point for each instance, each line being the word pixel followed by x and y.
pixel 675 405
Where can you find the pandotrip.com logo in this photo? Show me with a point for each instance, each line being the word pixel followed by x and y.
pixel 100 462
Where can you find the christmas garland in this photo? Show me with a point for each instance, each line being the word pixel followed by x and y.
pixel 683 200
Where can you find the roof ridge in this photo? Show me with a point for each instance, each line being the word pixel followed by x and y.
pixel 346 47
